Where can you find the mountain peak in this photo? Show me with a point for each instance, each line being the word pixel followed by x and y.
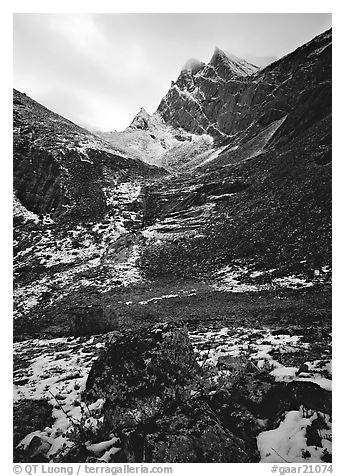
pixel 238 66
pixel 218 54
pixel 140 120
pixel 143 113
pixel 193 65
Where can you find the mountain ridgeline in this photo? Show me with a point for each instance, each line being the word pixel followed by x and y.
pixel 233 100
pixel 62 169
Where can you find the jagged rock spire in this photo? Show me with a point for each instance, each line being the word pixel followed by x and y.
pixel 193 65
pixel 238 66
pixel 141 119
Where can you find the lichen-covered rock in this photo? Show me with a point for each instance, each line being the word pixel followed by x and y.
pixel 155 399
pixel 193 434
pixel 141 365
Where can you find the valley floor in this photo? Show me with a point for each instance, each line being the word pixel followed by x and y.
pixel 285 332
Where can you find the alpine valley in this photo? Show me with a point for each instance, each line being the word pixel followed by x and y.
pixel 172 282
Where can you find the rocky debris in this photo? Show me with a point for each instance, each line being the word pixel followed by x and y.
pixel 121 248
pixel 51 261
pixel 210 191
pixel 150 139
pixel 185 210
pixel 270 222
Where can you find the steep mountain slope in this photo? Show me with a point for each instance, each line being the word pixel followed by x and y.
pixel 213 109
pixel 251 208
pixel 265 196
pixel 74 196
pixel 195 101
pixel 62 169
pixel 234 107
pixel 169 141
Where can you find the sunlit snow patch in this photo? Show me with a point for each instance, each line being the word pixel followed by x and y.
pixel 258 345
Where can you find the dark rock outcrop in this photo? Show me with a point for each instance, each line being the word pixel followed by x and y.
pixel 145 377
pixel 142 364
pixel 141 120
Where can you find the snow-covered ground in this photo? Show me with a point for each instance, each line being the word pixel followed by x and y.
pixel 258 345
pixel 288 442
pixel 57 369
pixel 81 251
pixel 232 279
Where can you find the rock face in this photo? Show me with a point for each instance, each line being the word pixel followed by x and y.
pixel 232 104
pixel 195 100
pixel 141 120
pixel 232 101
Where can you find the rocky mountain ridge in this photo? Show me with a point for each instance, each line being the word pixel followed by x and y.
pixel 215 108
pixel 226 99
pixel 61 168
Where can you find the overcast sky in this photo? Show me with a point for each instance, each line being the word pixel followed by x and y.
pixel 99 69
